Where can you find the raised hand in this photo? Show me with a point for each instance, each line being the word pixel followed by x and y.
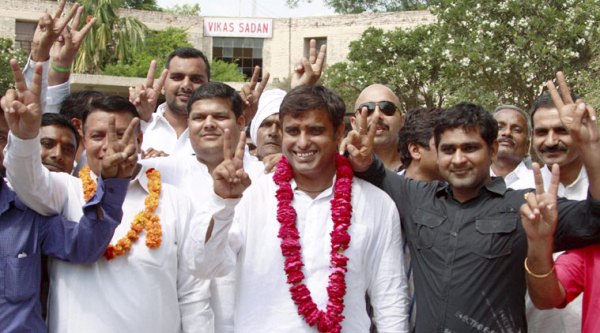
pixel 577 116
pixel 539 213
pixel 152 153
pixel 48 30
pixel 359 141
pixel 121 154
pixel 22 108
pixel 308 71
pixel 251 92
pixel 145 97
pixel 230 179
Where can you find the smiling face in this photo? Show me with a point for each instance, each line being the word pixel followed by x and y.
pixel 59 146
pixel 185 75
pixel 388 126
pixel 310 145
pixel 551 139
pixel 464 160
pixel 513 135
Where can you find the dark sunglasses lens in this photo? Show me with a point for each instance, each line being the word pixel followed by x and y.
pixel 388 108
pixel 370 107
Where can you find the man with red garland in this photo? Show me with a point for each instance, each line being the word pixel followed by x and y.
pixel 142 284
pixel 310 240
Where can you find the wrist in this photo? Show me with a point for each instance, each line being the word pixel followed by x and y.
pixel 59 67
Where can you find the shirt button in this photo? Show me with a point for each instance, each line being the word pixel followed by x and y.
pixel 454 234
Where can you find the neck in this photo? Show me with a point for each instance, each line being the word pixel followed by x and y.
pixel 504 166
pixel 313 186
pixel 570 172
pixel 211 164
pixel 178 121
pixel 463 195
pixel 390 157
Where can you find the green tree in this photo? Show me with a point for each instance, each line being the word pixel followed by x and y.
pixel 7 52
pixel 403 60
pixel 222 71
pixel 588 82
pixel 142 5
pixel 112 39
pixel 359 6
pixel 185 9
pixel 503 51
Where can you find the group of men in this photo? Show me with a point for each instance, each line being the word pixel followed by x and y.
pixel 435 220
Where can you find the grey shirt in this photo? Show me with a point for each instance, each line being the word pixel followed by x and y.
pixel 468 257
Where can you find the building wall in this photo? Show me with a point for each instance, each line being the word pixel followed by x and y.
pixel 280 52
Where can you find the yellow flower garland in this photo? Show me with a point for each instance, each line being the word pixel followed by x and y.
pixel 145 219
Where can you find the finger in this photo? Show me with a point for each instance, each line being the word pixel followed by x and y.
pixel 161 81
pixel 555 180
pixel 254 79
pixel 245 180
pixel 345 143
pixel 263 83
pixel 312 53
pixel 113 160
pixel 307 68
pixel 60 8
pixel 372 128
pixel 18 75
pixel 227 153
pixel 111 135
pixel 36 83
pixel 77 19
pixel 527 214
pixel 564 88
pixel 320 60
pixel 537 176
pixel 62 23
pixel 555 96
pixel 241 145
pixel 361 120
pixel 86 28
pixel 150 75
pixel 591 112
pixel 128 136
pixel 7 101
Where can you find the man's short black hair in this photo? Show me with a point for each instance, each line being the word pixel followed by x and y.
pixel 418 129
pixel 78 103
pixel 111 104
pixel 56 119
pixel 470 117
pixel 188 53
pixel 306 98
pixel 211 90
pixel 544 101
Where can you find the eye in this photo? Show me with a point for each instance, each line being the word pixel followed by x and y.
pixel 471 148
pixel 448 150
pixel 292 131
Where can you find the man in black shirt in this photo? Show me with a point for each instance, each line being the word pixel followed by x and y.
pixel 465 236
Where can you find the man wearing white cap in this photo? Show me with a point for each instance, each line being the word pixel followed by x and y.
pixel 265 129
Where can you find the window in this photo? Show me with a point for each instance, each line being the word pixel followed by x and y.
pixel 24 35
pixel 245 52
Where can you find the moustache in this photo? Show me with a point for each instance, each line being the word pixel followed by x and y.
pixel 554 149
pixel 509 140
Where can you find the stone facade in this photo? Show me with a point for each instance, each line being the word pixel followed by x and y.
pixel 280 53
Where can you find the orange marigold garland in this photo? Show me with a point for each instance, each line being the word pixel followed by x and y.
pixel 145 219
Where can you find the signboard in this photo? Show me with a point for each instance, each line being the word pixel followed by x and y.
pixel 238 27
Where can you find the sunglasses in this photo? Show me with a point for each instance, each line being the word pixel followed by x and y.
pixel 387 108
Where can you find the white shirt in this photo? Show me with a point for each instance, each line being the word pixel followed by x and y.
pixel 263 302
pixel 160 135
pixel 567 319
pixel 520 178
pixel 51 97
pixel 146 290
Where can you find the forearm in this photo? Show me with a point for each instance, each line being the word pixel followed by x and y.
pixel 544 287
pixel 590 154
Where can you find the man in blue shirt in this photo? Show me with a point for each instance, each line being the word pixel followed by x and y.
pixel 26 235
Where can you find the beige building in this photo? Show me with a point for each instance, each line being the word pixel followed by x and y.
pixel 275 44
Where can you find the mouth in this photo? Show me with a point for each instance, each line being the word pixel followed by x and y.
pixel 305 156
pixel 210 136
pixel 506 143
pixel 460 172
pixel 184 97
pixel 380 129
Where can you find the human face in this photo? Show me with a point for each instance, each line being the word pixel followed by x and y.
pixel 59 146
pixel 464 160
pixel 185 75
pixel 551 139
pixel 310 144
pixel 207 122
pixel 513 136
pixel 95 132
pixel 268 137
pixel 3 139
pixel 386 135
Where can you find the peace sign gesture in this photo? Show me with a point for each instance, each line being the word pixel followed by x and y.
pixel 308 71
pixel 22 108
pixel 121 154
pixel 577 116
pixel 359 141
pixel 230 179
pixel 251 92
pixel 539 213
pixel 48 30
pixel 145 97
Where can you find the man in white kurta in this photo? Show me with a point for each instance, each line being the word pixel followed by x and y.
pixel 146 290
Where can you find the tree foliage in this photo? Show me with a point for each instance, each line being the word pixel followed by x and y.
pixel 359 6
pixel 185 9
pixel 7 52
pixel 142 5
pixel 222 71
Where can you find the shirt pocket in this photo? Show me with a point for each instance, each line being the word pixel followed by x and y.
pixel 427 226
pixel 22 278
pixel 496 236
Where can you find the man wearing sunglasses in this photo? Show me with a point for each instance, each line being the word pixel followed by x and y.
pixel 380 99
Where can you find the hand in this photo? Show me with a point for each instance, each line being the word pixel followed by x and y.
pixel 121 154
pixel 152 153
pixel 145 97
pixel 270 161
pixel 230 179
pixel 250 93
pixel 359 142
pixel 539 213
pixel 578 117
pixel 48 30
pixel 22 108
pixel 69 41
pixel 308 71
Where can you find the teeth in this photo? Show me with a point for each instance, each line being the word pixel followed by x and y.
pixel 304 155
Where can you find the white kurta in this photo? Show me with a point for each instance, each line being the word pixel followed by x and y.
pixel 160 135
pixel 520 178
pixel 143 291
pixel 263 302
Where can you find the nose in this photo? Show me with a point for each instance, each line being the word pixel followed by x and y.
pixel 505 131
pixel 187 84
pixel 551 139
pixel 209 122
pixel 56 153
pixel 303 140
pixel 458 157
pixel 274 131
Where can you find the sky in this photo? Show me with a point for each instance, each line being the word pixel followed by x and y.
pixel 263 8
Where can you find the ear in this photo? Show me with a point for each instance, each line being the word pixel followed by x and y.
pixel 241 122
pixel 339 133
pixel 78 125
pixel 494 149
pixel 415 151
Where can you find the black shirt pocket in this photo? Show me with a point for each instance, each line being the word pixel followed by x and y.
pixel 496 236
pixel 22 278
pixel 427 226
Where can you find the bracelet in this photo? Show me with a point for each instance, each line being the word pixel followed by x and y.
pixel 60 69
pixel 538 276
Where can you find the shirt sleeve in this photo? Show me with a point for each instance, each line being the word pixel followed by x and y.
pixel 43 191
pixel 86 241
pixel 578 223
pixel 571 273
pixel 56 95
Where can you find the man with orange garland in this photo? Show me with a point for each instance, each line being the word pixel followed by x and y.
pixel 325 238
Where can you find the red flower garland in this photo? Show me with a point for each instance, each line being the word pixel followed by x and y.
pixel 341 213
